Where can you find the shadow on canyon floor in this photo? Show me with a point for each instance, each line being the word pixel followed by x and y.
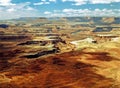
pixel 59 71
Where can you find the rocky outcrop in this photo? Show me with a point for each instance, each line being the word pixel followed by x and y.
pixel 108 19
pixel 64 46
pixel 42 43
pixel 42 53
pixel 13 37
pixel 58 45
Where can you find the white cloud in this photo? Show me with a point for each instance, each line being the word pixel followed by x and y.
pixel 47 12
pixel 95 12
pixel 103 1
pixel 6 2
pixel 9 11
pixel 81 2
pixel 85 12
pixel 43 2
pixel 30 8
pixel 57 15
pixel 52 0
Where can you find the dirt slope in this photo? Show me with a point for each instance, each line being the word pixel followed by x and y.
pixel 76 69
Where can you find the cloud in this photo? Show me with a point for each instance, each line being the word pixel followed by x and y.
pixel 6 2
pixel 103 1
pixel 52 0
pixel 43 2
pixel 47 12
pixel 10 11
pixel 85 12
pixel 76 2
pixel 81 2
pixel 95 12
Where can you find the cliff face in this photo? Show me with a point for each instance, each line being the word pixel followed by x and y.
pixel 108 20
pixel 64 47
pixel 46 46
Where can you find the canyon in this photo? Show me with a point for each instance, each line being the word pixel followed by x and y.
pixel 68 52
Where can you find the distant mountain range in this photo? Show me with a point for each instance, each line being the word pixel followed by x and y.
pixel 91 20
pixel 95 20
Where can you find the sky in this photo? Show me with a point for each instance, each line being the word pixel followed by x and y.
pixel 10 9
